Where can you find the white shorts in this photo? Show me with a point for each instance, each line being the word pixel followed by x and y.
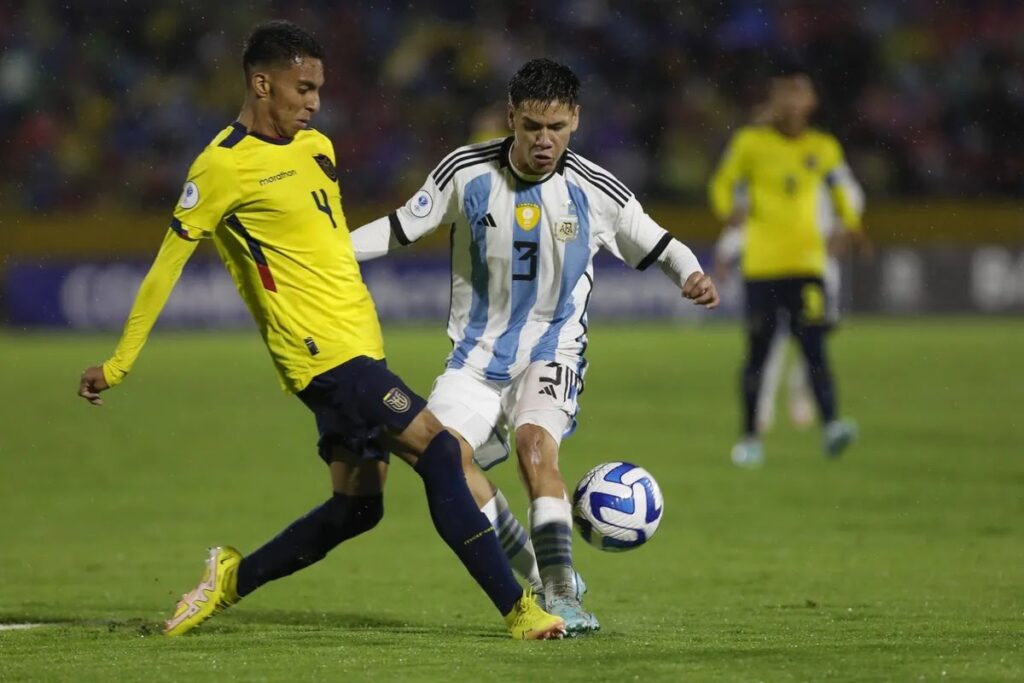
pixel 484 411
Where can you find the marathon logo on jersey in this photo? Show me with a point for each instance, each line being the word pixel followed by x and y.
pixel 397 400
pixel 278 176
pixel 421 204
pixel 527 216
pixel 189 195
pixel 568 226
pixel 327 166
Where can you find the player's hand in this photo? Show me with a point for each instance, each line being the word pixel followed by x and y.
pixel 92 383
pixel 699 289
pixel 842 242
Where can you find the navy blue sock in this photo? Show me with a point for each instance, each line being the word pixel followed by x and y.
pixel 309 538
pixel 812 342
pixel 460 523
pixel 759 342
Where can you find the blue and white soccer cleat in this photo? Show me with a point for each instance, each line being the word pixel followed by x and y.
pixel 839 434
pixel 748 453
pixel 569 606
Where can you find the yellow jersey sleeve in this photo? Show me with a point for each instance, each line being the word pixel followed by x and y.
pixel 731 170
pixel 211 192
pixel 153 293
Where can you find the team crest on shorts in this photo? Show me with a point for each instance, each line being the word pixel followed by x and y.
pixel 327 166
pixel 397 400
pixel 527 216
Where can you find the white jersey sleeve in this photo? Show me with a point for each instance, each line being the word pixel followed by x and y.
pixel 640 242
pixel 626 230
pixel 432 206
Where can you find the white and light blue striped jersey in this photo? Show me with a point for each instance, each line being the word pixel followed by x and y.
pixel 522 252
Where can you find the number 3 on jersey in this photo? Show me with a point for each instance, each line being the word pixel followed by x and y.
pixel 320 199
pixel 527 253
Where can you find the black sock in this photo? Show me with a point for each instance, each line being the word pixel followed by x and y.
pixel 309 538
pixel 460 523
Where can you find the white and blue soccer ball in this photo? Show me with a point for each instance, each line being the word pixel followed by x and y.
pixel 617 506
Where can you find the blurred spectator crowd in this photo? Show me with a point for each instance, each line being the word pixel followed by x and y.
pixel 106 102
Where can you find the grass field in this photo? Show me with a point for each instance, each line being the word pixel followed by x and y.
pixel 903 561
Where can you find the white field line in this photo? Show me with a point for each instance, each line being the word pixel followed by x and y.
pixel 20 627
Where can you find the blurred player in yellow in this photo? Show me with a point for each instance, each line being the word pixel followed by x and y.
pixel 769 181
pixel 266 192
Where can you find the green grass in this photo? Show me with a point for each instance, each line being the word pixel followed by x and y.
pixel 903 561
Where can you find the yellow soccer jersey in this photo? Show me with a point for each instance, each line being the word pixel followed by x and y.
pixel 273 210
pixel 782 177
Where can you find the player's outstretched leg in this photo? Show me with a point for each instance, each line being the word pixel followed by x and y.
pixel 551 528
pixel 217 591
pixel 470 535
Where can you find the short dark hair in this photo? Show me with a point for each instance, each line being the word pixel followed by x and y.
pixel 278 41
pixel 544 80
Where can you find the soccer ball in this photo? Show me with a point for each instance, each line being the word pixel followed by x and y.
pixel 617 506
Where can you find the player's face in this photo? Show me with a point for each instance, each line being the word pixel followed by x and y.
pixel 293 95
pixel 542 131
pixel 792 99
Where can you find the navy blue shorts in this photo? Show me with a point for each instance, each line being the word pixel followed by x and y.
pixel 355 403
pixel 802 298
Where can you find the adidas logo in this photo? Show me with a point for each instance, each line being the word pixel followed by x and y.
pixel 487 221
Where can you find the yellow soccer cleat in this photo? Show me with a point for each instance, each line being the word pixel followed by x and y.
pixel 214 593
pixel 527 621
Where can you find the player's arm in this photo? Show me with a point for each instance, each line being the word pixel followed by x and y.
pixel 640 242
pixel 429 208
pixel 723 187
pixel 153 294
pixel 210 193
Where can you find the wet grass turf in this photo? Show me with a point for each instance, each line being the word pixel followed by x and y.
pixel 902 561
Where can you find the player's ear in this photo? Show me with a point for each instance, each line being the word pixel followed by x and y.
pixel 511 116
pixel 575 119
pixel 259 81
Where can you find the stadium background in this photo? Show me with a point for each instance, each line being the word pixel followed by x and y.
pixel 901 562
pixel 106 104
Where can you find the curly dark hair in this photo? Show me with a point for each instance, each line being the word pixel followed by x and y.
pixel 544 80
pixel 277 41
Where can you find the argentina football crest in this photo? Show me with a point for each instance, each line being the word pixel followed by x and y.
pixel 568 225
pixel 327 166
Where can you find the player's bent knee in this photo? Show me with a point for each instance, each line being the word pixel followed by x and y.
pixel 348 516
pixel 366 513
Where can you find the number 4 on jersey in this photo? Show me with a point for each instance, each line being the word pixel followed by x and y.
pixel 320 199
